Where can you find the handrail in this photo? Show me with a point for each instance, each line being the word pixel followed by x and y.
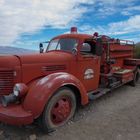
pixel 127 42
pixel 119 41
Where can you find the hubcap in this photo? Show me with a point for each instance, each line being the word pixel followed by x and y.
pixel 61 110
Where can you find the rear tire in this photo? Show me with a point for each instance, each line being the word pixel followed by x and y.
pixel 136 78
pixel 59 110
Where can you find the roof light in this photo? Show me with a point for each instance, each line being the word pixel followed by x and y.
pixel 20 89
pixel 74 30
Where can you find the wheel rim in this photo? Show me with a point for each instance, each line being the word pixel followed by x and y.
pixel 61 110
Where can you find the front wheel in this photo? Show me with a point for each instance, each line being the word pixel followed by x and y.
pixel 59 110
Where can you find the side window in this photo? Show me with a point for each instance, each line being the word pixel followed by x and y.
pixel 67 44
pixel 86 48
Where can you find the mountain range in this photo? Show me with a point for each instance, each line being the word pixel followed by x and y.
pixel 13 50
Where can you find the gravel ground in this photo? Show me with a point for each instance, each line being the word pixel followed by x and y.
pixel 114 116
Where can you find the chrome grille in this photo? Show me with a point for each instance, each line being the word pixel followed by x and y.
pixel 6 81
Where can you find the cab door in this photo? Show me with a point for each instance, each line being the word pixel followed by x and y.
pixel 89 67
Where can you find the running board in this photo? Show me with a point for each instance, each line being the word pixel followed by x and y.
pixel 98 93
pixel 115 84
pixel 101 91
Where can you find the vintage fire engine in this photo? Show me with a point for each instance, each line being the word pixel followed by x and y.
pixel 74 69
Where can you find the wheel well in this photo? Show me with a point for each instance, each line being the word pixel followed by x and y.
pixel 76 92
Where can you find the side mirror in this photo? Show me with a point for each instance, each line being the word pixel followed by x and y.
pixel 74 51
pixel 99 47
pixel 41 48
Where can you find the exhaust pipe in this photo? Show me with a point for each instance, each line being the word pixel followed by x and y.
pixel 7 99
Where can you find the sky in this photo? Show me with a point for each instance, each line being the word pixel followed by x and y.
pixel 25 23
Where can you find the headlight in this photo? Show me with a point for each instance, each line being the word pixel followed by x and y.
pixel 20 90
pixel 16 90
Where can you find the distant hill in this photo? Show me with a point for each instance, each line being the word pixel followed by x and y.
pixel 13 50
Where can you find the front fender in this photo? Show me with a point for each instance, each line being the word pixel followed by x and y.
pixel 41 91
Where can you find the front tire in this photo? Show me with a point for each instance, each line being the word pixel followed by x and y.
pixel 59 110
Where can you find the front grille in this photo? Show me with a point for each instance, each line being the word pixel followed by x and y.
pixel 6 81
pixel 54 68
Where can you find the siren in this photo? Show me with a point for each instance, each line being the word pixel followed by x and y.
pixel 96 34
pixel 74 30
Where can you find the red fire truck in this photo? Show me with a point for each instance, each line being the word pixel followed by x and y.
pixel 73 69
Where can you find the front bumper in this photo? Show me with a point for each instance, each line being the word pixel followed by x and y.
pixel 15 115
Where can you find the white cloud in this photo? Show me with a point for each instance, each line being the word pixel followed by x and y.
pixel 117 28
pixel 110 7
pixel 128 26
pixel 18 16
pixel 117 2
pixel 130 10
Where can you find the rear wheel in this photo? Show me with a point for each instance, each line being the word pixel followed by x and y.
pixel 59 110
pixel 136 78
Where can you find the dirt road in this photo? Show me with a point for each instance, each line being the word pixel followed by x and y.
pixel 115 116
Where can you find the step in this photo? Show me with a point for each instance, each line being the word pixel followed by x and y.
pixel 98 93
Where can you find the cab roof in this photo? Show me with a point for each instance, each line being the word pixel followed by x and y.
pixel 71 35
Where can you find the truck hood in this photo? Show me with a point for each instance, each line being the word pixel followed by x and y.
pixel 38 65
pixel 50 57
pixel 9 61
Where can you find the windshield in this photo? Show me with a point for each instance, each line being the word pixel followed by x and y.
pixel 64 44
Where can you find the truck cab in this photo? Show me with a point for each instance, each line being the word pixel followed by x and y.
pixel 74 69
pixel 84 63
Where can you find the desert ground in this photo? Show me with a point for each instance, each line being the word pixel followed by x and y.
pixel 114 116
